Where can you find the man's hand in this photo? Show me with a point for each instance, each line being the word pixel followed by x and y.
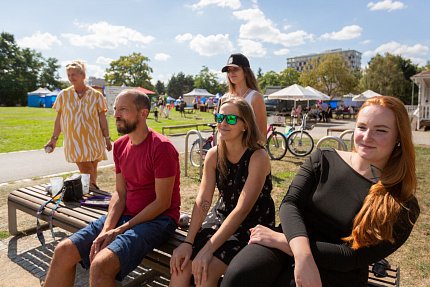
pixel 180 258
pixel 102 241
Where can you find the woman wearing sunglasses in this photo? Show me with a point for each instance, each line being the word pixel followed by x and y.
pixel 343 210
pixel 242 83
pixel 240 168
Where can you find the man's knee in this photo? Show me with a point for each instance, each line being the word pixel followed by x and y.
pixel 66 252
pixel 105 265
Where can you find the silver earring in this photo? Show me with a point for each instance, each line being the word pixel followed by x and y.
pixel 398 144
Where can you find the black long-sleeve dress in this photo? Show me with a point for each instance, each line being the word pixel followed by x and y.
pixel 321 204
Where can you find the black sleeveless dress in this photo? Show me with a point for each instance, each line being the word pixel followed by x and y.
pixel 262 213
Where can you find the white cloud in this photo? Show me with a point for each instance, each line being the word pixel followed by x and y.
pixel 232 4
pixel 161 57
pixel 282 52
pixel 251 48
pixel 40 41
pixel 386 5
pixel 183 37
pixel 346 33
pixel 414 52
pixel 211 45
pixel 365 42
pixel 107 36
pixel 259 28
pixel 103 60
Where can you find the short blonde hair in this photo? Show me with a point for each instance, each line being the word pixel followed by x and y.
pixel 77 65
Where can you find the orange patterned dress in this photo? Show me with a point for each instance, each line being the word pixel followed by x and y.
pixel 83 138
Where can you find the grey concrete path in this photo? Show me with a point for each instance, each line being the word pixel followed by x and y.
pixel 36 163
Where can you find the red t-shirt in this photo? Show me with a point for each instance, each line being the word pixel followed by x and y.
pixel 141 164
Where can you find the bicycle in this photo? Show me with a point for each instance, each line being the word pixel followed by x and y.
pixel 276 143
pixel 299 142
pixel 207 144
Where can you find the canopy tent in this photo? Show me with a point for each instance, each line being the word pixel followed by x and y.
pixel 40 92
pixel 146 91
pixel 323 96
pixel 365 95
pixel 198 92
pixel 169 99
pixel 294 93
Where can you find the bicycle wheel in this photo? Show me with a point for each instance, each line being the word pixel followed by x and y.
pixel 195 153
pixel 275 145
pixel 300 143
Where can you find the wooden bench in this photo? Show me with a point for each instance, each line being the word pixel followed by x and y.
pixel 72 217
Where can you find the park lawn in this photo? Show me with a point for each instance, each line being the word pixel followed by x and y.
pixel 25 128
pixel 412 257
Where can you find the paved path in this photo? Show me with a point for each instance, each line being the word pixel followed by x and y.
pixel 36 163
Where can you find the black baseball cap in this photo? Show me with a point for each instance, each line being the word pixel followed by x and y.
pixel 236 60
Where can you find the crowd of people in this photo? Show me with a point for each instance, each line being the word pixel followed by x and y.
pixel 343 210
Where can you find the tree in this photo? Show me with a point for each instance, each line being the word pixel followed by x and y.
pixel 330 74
pixel 390 75
pixel 288 77
pixel 207 80
pixel 132 71
pixel 19 71
pixel 270 78
pixel 179 85
pixel 160 88
pixel 49 76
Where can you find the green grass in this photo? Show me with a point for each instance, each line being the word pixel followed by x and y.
pixel 24 128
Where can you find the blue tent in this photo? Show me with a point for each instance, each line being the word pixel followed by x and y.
pixel 37 98
pixel 50 98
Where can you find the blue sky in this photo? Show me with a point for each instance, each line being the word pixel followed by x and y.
pixel 183 36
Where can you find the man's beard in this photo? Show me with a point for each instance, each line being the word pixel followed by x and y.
pixel 127 128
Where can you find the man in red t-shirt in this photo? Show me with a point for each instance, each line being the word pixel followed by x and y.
pixel 143 212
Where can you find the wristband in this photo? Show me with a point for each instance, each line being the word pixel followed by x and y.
pixel 54 138
pixel 187 242
pixel 108 137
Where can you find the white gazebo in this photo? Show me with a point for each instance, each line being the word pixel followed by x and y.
pixel 365 95
pixel 423 82
pixel 196 93
pixel 294 93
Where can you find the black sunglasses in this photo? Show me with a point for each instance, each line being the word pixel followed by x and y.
pixel 230 119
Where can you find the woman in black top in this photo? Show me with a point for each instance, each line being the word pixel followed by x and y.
pixel 240 168
pixel 343 210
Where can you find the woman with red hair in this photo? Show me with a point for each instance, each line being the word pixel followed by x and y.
pixel 343 210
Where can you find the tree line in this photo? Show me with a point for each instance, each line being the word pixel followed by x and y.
pixel 23 70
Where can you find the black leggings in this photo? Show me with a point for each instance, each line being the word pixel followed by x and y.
pixel 257 265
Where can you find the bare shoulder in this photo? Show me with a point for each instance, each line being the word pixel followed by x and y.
pixel 260 159
pixel 211 157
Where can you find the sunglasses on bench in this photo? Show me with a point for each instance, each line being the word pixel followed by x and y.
pixel 230 119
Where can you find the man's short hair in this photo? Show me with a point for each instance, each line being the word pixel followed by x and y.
pixel 141 100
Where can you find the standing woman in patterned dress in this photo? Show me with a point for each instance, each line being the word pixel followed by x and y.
pixel 240 168
pixel 81 115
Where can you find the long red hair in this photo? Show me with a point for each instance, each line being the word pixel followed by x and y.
pixel 385 200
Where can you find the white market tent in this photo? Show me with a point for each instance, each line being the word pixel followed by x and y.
pixel 196 93
pixel 323 96
pixel 40 92
pixel 294 93
pixel 365 95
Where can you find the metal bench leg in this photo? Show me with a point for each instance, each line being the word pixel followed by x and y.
pixel 11 211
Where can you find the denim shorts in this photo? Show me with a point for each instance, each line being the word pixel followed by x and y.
pixel 131 246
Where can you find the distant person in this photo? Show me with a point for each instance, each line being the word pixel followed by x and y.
pixel 343 210
pixel 242 83
pixel 144 208
pixel 182 106
pixel 155 110
pixel 240 169
pixel 81 116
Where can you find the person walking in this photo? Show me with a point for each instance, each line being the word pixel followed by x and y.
pixel 81 116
